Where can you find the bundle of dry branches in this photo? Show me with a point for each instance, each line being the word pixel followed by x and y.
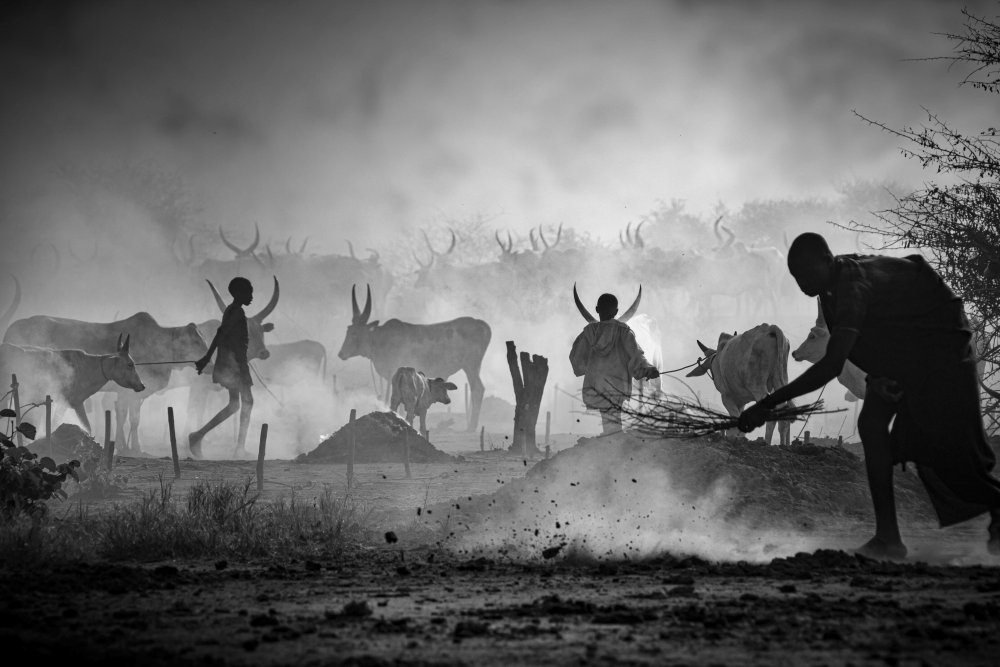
pixel 675 418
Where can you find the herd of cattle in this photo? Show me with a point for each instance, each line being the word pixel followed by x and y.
pixel 743 366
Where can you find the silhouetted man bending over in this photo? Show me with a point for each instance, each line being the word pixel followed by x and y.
pixel 898 321
pixel 232 370
pixel 608 356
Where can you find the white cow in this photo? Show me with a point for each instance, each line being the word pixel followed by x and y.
pixel 813 348
pixel 417 392
pixel 746 367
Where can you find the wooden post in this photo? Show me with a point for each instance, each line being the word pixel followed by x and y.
pixel 482 438
pixel 548 426
pixel 406 452
pixel 48 423
pixel 528 389
pixel 17 409
pixel 840 441
pixel 109 445
pixel 555 400
pixel 173 443
pixel 548 451
pixel 260 458
pixel 350 458
pixel 806 441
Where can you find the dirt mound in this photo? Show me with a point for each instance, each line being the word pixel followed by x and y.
pixel 69 441
pixel 718 498
pixel 380 438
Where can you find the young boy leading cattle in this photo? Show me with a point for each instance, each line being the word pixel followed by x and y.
pixel 607 355
pixel 232 369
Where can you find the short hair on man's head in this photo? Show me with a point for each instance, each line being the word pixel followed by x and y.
pixel 238 285
pixel 606 303
pixel 808 247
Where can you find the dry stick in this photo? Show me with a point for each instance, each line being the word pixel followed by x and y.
pixel 482 438
pixel 109 445
pixel 548 426
pixel 17 409
pixel 173 443
pixel 260 458
pixel 406 452
pixel 48 422
pixel 350 457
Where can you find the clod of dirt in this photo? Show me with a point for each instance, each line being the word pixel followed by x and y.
pixel 68 441
pixel 390 537
pixel 380 437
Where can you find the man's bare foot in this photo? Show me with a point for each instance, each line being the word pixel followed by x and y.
pixel 194 444
pixel 881 550
pixel 993 544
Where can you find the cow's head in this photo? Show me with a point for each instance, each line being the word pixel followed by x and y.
pixel 624 317
pixel 704 364
pixel 120 368
pixel 438 388
pixel 358 341
pixel 256 326
pixel 814 346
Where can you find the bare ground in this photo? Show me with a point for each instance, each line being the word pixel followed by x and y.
pixel 422 600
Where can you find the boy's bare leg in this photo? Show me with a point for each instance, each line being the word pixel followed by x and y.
pixel 194 440
pixel 873 427
pixel 246 407
pixel 993 545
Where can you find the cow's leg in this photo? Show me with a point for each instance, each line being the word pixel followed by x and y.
pixel 134 408
pixel 476 392
pixel 873 427
pixel 121 414
pixel 423 424
pixel 769 432
pixel 733 408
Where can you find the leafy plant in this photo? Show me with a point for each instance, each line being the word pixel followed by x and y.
pixel 26 480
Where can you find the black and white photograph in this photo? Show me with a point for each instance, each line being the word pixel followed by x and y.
pixel 500 332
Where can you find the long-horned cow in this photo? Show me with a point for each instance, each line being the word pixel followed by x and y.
pixel 72 376
pixel 439 350
pixel 745 367
pixel 417 392
pixel 813 348
pixel 154 343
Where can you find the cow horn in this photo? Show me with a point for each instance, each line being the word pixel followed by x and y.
pixel 706 350
pixel 124 347
pixel 9 313
pixel 270 256
pixel 266 310
pixel 531 237
pixel 118 345
pixel 256 239
pixel 374 256
pixel 627 315
pixel 628 234
pixel 579 306
pixel 454 240
pixel 639 243
pixel 229 245
pixel 350 247
pixel 715 230
pixel 510 242
pixel 288 246
pixel 558 235
pixel 356 312
pixel 423 266
pixel 218 297
pixel 541 237
pixel 302 248
pixel 367 312
pixel 621 240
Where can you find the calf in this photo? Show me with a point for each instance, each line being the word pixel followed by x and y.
pixel 813 348
pixel 416 392
pixel 746 367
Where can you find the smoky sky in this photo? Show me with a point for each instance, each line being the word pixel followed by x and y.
pixel 375 117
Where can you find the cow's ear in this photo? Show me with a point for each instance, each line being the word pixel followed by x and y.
pixel 450 385
pixel 267 326
pixel 700 369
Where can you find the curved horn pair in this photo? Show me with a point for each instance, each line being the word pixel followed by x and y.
pixel 264 312
pixel 361 316
pixel 288 246
pixel 545 243
pixel 434 253
pixel 249 249
pixel 507 249
pixel 624 317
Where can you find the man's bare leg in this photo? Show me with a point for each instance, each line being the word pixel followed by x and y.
pixel 194 440
pixel 993 544
pixel 246 407
pixel 611 421
pixel 873 427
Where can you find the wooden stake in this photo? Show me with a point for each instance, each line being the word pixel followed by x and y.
pixel 350 459
pixel 109 445
pixel 482 438
pixel 548 426
pixel 260 458
pixel 406 452
pixel 17 409
pixel 48 423
pixel 173 443
pixel 806 441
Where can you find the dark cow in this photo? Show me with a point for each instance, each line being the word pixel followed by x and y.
pixel 416 392
pixel 154 343
pixel 72 376
pixel 440 350
pixel 745 367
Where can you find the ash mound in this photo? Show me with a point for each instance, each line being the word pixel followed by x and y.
pixel 68 442
pixel 626 496
pixel 380 438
